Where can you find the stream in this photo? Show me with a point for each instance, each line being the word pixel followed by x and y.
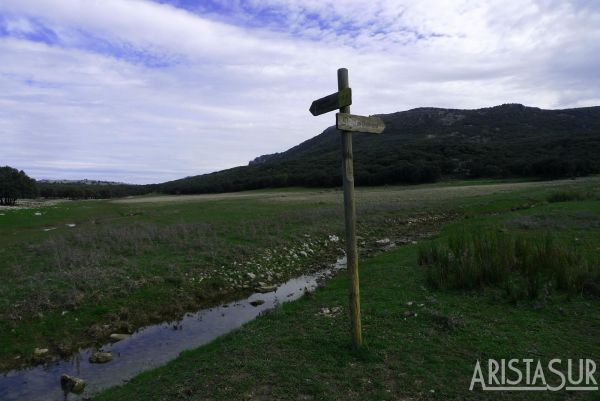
pixel 151 346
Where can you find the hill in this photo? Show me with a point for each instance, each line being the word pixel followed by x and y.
pixel 425 145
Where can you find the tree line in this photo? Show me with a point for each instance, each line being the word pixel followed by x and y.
pixel 15 184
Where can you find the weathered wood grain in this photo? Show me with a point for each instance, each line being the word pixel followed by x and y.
pixel 351 122
pixel 342 98
pixel 350 221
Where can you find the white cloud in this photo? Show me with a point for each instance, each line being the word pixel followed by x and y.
pixel 145 92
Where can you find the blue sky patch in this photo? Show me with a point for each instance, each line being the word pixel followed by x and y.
pixel 34 30
pixel 28 29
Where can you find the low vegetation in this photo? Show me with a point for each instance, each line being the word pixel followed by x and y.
pixel 569 195
pixel 75 271
pixel 421 341
pixel 523 267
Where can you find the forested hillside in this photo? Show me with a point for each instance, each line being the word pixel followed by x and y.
pixel 426 145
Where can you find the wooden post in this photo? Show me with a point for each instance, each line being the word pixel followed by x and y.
pixel 348 123
pixel 350 220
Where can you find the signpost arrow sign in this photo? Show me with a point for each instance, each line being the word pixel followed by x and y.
pixel 332 102
pixel 351 122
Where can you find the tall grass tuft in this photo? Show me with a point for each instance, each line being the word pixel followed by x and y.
pixel 568 195
pixel 523 267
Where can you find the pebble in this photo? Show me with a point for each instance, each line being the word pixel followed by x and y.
pixel 118 337
pixel 101 357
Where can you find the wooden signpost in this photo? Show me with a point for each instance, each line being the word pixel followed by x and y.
pixel 346 123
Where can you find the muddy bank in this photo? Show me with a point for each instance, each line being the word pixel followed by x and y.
pixel 152 346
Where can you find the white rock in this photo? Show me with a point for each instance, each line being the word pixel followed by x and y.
pixel 40 351
pixel 118 337
pixel 383 242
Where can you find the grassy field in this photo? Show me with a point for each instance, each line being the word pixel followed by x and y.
pixel 131 262
pixel 420 342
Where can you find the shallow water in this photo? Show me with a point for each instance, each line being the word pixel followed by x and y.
pixel 151 346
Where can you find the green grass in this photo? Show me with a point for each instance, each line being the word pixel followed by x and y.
pixel 135 256
pixel 523 267
pixel 295 353
pixel 124 264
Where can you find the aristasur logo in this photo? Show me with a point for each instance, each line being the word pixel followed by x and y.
pixel 533 375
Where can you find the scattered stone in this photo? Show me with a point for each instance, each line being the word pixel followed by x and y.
pixel 101 357
pixel 40 351
pixel 70 225
pixel 410 303
pixel 266 288
pixel 37 213
pixel 383 242
pixel 118 337
pixel 330 312
pixel 251 275
pixel 334 238
pixel 71 384
pixel 257 302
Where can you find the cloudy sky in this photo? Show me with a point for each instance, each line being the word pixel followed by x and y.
pixel 147 91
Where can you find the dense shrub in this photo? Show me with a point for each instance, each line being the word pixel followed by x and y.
pixel 566 196
pixel 524 268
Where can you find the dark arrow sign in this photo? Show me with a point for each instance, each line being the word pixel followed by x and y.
pixel 332 102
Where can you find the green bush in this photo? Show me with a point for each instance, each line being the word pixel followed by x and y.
pixel 566 196
pixel 524 268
